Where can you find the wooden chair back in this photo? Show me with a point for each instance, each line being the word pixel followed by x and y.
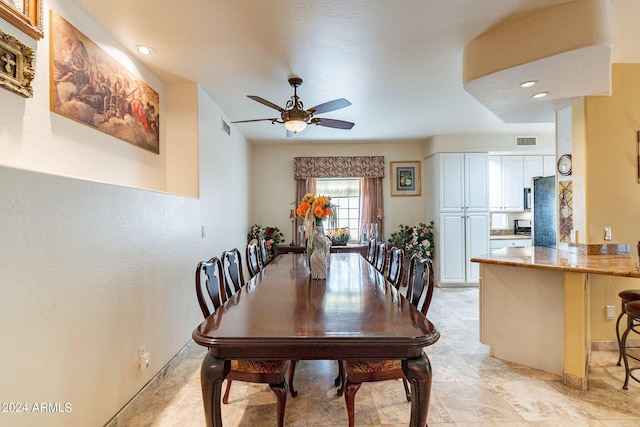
pixel 232 267
pixel 210 288
pixel 395 271
pixel 264 254
pixel 371 251
pixel 381 257
pixel 421 282
pixel 253 259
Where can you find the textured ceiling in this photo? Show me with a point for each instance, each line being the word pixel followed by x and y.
pixel 398 62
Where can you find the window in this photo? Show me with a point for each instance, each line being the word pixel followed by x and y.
pixel 345 195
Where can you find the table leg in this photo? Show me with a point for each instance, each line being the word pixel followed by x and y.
pixel 212 374
pixel 418 373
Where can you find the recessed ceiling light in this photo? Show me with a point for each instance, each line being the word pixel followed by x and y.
pixel 145 50
pixel 540 95
pixel 528 84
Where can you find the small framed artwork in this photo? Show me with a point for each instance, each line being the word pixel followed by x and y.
pixel 26 15
pixel 405 178
pixel 16 70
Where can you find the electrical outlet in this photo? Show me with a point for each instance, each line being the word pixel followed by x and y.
pixel 607 233
pixel 611 312
pixel 144 358
pixel 203 232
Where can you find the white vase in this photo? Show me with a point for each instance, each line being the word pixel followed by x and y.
pixel 318 251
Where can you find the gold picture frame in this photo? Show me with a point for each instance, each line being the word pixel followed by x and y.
pixel 405 178
pixel 16 70
pixel 26 15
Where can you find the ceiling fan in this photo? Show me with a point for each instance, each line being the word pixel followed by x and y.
pixel 295 118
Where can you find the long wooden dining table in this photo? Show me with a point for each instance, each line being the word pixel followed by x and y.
pixel 283 314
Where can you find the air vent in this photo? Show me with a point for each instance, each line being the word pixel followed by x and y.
pixel 226 128
pixel 525 141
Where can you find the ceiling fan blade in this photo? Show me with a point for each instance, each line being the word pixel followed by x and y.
pixel 265 102
pixel 332 123
pixel 255 120
pixel 336 104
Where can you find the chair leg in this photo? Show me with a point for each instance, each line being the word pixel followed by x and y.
pixel 349 398
pixel 292 370
pixel 340 379
pixel 407 392
pixel 280 391
pixel 225 398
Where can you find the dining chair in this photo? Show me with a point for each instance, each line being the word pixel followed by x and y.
pixel 253 259
pixel 232 267
pixel 381 257
pixel 371 251
pixel 264 254
pixel 419 293
pixel 211 294
pixel 395 270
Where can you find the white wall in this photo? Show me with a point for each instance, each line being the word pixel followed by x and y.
pixel 273 186
pixel 90 271
pixel 72 148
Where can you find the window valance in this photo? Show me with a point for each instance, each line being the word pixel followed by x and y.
pixel 338 167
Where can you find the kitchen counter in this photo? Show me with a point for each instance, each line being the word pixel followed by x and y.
pixel 535 306
pixel 552 259
pixel 509 236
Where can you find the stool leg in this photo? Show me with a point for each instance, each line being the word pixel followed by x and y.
pixel 623 350
pixel 618 334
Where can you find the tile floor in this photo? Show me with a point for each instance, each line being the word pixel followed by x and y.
pixel 470 388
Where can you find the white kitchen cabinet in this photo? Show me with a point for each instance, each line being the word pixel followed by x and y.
pixel 458 186
pixel 506 183
pixel 462 237
pixel 538 166
pixel 463 182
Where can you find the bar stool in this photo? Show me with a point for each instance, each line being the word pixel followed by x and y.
pixel 625 297
pixel 633 312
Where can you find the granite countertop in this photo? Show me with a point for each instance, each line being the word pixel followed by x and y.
pixel 624 265
pixel 509 236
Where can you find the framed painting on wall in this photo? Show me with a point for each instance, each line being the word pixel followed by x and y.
pixel 89 86
pixel 16 65
pixel 405 178
pixel 26 15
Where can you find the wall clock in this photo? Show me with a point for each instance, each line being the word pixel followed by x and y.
pixel 564 165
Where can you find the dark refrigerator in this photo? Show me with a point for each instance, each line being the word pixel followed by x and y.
pixel 544 212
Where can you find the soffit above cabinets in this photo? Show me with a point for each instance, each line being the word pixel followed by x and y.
pixel 566 50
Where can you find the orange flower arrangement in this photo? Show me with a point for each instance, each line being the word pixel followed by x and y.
pixel 319 207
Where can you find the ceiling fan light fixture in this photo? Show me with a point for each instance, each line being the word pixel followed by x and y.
pixel 295 125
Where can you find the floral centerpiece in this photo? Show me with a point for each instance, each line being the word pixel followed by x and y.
pixel 314 209
pixel 271 235
pixel 415 240
pixel 339 236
